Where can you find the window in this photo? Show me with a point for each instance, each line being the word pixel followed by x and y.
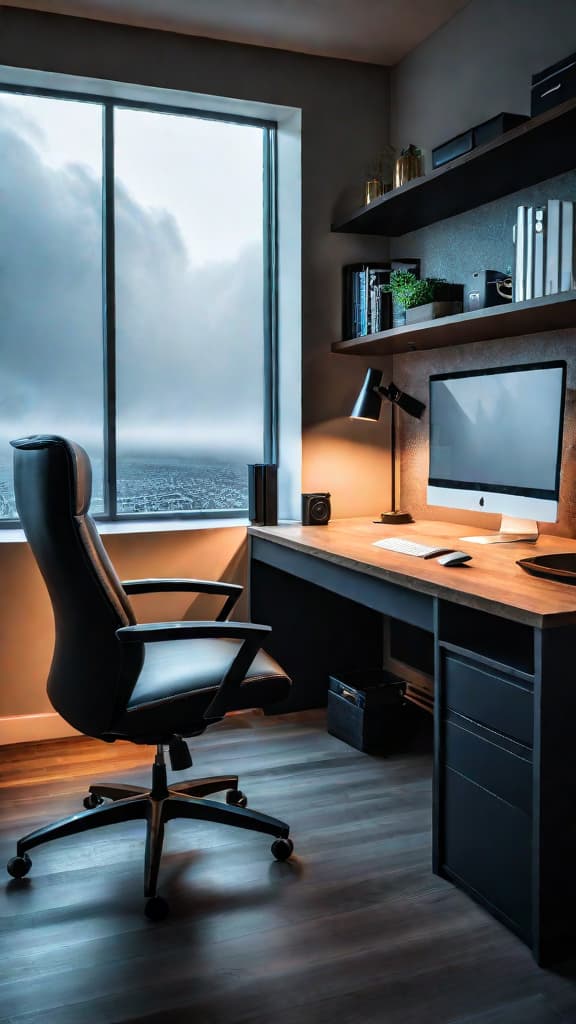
pixel 137 296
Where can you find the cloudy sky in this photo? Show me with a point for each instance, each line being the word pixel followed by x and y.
pixel 189 279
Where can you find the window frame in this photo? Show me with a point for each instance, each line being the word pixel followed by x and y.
pixel 270 289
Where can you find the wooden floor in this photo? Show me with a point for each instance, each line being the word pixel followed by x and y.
pixel 356 930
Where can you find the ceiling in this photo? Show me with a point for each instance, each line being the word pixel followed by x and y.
pixel 376 31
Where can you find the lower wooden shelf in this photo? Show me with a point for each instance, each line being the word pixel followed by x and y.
pixel 550 313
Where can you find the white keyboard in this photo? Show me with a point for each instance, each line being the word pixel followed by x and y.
pixel 410 547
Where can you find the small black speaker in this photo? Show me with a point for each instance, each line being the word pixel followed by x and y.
pixel 263 494
pixel 316 509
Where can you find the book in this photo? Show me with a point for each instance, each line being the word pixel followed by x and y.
pixel 539 250
pixel 553 247
pixel 520 254
pixel 566 246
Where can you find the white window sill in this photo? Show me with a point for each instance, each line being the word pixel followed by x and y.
pixel 16 536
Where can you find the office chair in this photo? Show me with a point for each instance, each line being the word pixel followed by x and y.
pixel 116 680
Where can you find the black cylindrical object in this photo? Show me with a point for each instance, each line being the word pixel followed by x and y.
pixel 263 494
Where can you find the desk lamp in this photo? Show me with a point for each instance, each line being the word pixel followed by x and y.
pixel 367 407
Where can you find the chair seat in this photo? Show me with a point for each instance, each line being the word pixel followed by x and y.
pixel 179 679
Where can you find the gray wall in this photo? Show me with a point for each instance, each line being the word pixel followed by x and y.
pixel 345 123
pixel 478 64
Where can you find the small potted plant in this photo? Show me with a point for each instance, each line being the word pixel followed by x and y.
pixel 424 298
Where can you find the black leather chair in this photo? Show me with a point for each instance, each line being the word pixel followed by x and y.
pixel 152 683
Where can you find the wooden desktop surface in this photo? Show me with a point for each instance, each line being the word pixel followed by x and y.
pixel 491 582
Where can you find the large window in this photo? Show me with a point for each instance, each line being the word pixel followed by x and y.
pixel 137 298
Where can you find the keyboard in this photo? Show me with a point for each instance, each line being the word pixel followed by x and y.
pixel 410 547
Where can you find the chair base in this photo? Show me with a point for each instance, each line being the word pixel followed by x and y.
pixel 157 806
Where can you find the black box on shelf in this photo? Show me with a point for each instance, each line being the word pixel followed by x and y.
pixel 457 146
pixel 553 85
pixel 496 126
pixel 368 710
pixel 479 135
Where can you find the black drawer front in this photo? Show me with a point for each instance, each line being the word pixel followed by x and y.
pixel 492 767
pixel 487 844
pixel 476 692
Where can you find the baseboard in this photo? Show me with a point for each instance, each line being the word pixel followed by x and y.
pixel 31 728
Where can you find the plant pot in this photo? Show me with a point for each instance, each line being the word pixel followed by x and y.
pixel 432 311
pixel 398 314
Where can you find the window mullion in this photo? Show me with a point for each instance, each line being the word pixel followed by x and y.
pixel 109 302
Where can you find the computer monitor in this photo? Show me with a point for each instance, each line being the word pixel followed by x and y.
pixel 496 443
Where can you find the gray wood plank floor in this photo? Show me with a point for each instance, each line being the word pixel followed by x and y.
pixel 357 930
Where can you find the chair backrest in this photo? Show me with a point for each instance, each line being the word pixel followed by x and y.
pixel 52 484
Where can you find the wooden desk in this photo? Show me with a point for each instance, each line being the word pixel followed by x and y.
pixel 502 651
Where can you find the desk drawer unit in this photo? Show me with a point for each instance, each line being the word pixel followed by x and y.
pixel 485 786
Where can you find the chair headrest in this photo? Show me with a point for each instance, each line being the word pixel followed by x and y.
pixel 78 461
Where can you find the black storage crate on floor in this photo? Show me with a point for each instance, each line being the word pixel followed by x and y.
pixel 368 710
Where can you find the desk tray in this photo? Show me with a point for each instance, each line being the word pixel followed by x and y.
pixel 561 568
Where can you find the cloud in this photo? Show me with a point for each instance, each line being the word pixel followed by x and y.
pixel 189 350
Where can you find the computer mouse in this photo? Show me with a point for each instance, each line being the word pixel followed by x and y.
pixel 454 558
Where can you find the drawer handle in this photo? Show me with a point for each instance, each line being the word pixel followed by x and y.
pixel 548 91
pixel 349 695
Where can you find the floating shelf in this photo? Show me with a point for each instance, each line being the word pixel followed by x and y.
pixel 539 149
pixel 551 313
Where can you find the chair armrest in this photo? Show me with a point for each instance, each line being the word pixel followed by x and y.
pixel 163 586
pixel 152 632
pixel 249 633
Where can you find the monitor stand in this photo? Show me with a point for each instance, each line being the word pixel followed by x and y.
pixel 511 529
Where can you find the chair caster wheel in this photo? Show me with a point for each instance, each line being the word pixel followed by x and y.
pixel 19 866
pixel 282 849
pixel 156 908
pixel 91 801
pixel 237 798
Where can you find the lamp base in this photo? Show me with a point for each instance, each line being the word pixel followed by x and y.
pixel 394 518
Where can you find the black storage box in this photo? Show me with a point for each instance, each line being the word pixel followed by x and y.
pixel 454 147
pixel 496 126
pixel 479 135
pixel 554 85
pixel 368 710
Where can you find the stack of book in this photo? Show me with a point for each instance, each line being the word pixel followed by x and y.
pixel 545 257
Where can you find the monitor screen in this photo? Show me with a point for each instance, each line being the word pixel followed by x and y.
pixel 498 430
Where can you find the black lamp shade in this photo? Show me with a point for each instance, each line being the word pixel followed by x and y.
pixel 368 404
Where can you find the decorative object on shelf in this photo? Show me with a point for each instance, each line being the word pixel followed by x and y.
pixel 409 165
pixel 479 135
pixel 553 85
pixel 545 251
pixel 316 509
pixel 367 302
pixel 424 298
pixel 488 288
pixel 367 407
pixel 263 494
pixel 379 177
pixel 372 190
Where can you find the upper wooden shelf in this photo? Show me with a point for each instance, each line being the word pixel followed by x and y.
pixel 550 313
pixel 539 149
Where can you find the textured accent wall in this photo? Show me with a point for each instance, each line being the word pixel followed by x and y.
pixel 475 66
